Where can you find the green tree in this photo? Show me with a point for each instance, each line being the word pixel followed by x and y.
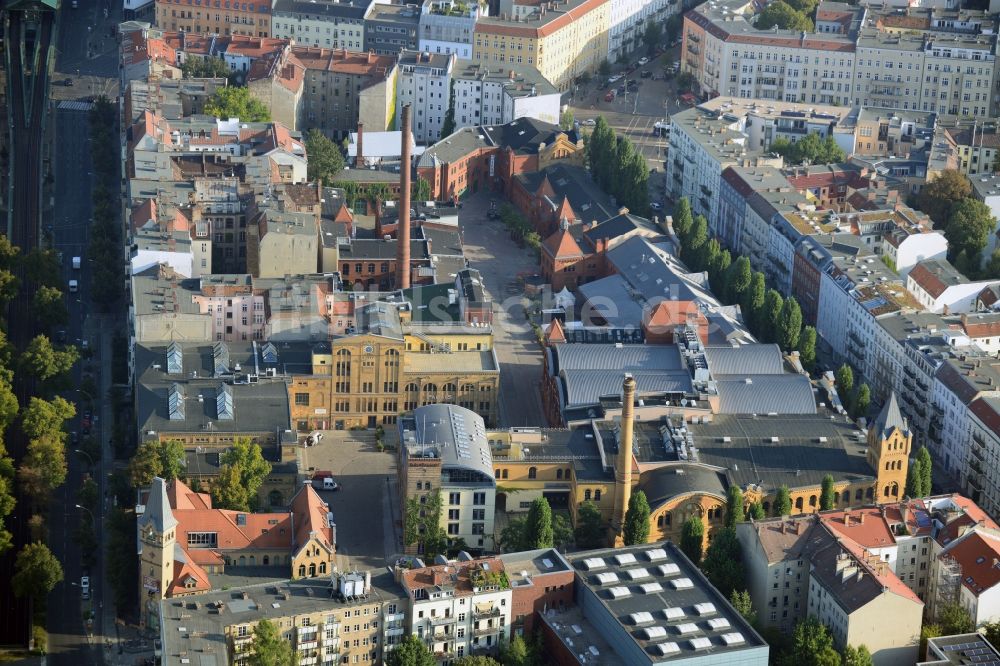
pixel 448 127
pixel 789 324
pixel 753 299
pixel 246 456
pixel 827 495
pixel 235 102
pixel 228 491
pixel 652 35
pixel 636 527
pixel 44 362
pixel 844 381
pixel 991 271
pixel 734 506
pixel 723 564
pixel 155 458
pixel 604 68
pixel 48 307
pixel 682 218
pixel 697 237
pixel 517 652
pixel 807 348
pixel 953 618
pixel 914 479
pixel 590 528
pixel 757 511
pixel 46 417
pixel 782 503
pixel 476 660
pixel 42 267
pixel 513 537
pixel 862 401
pixel 938 196
pixel 740 599
pixel 769 317
pixel 693 538
pixel 812 645
pixel 926 471
pixel 780 14
pixel 539 526
pixel 43 467
pixel 36 571
pixel 857 656
pixel 269 648
pixel 673 27
pixel 205 68
pixel 325 159
pixel 566 120
pixel 969 225
pixel 738 281
pixel 991 631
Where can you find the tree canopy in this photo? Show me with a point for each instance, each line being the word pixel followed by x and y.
pixel 781 15
pixel 539 532
pixel 693 538
pixel 938 196
pixel 723 564
pixel 269 648
pixel 155 458
pixel 812 645
pixel 827 495
pixel 734 506
pixel 411 651
pixel 810 149
pixel 36 571
pixel 636 527
pixel 237 102
pixel 247 458
pixel 590 528
pixel 325 158
pixel 970 223
pixel 782 502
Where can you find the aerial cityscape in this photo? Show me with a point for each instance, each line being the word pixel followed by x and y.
pixel 502 333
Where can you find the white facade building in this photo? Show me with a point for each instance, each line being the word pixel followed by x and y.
pixel 500 95
pixel 330 24
pixel 424 82
pixel 446 28
pixel 628 23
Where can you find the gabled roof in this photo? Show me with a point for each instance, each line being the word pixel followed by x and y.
pixel 555 333
pixel 978 555
pixel 562 244
pixel 158 514
pixel 891 418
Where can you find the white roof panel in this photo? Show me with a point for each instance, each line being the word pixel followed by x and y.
pixel 682 583
pixel 607 578
pixel 619 592
pixel 669 647
pixel 656 554
pixel 734 638
pixel 651 588
pixel 642 617
pixel 625 558
pixel 674 613
pixel 707 608
pixel 668 569
pixel 653 633
pixel 700 643
pixel 718 623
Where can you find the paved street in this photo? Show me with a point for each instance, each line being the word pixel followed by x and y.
pixel 489 249
pixel 93 66
pixel 365 509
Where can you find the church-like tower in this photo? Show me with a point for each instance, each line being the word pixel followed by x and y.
pixel 623 461
pixel 157 541
pixel 889 443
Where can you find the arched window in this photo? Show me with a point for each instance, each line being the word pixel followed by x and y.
pixel 322 568
pixel 586 495
pixel 666 519
pixel 243 560
pixel 266 561
pixel 859 495
pixel 566 473
pixel 449 389
pixel 253 561
pixel 312 570
pixel 659 520
pixel 302 571
pixel 505 474
pixel 532 473
pixel 411 388
pixel 886 491
pixel 597 495
pixel 847 497
pixel 343 363
pixel 496 473
pixel 275 498
pixel 798 504
pixel 812 500
pixel 870 493
pixel 559 473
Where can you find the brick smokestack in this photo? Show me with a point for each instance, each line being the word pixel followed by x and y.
pixel 359 160
pixel 623 461
pixel 403 235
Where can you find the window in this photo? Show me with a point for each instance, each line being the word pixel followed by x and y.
pixel 597 495
pixel 455 498
pixel 479 499
pixel 532 473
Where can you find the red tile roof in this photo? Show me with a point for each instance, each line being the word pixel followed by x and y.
pixel 865 526
pixel 927 280
pixel 978 555
pixel 986 411
pixel 456 574
pixel 561 245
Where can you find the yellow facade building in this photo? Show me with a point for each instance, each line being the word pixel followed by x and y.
pixel 562 40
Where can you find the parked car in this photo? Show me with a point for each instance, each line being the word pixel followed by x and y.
pixel 656 205
pixel 633 85
pixel 85 587
pixel 643 60
pixel 646 74
pixel 614 79
pixel 589 122
pixel 621 90
pixel 610 96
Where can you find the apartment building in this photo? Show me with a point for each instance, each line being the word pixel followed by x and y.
pixel 391 28
pixel 330 24
pixel 349 617
pixel 459 608
pixel 224 18
pixel 939 287
pixel 444 449
pixel 939 64
pixel 342 87
pixel 424 83
pixel 986 188
pixel 803 567
pixel 447 26
pixel 628 21
pixel 497 95
pixel 976 148
pixel 562 40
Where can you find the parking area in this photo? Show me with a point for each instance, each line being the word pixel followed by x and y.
pixel 500 261
pixel 365 507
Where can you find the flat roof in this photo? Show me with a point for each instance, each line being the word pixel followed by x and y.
pixel 961 649
pixel 456 361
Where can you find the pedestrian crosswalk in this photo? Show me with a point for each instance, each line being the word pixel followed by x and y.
pixel 75 106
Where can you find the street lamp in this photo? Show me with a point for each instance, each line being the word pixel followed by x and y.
pixel 86 454
pixel 93 520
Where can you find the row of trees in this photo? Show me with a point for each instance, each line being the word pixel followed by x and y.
pixel 965 221
pixel 411 651
pixel 767 314
pixel 856 400
pixel 105 244
pixel 618 168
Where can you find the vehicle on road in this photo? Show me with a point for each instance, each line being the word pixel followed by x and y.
pixel 76 263
pixel 656 205
pixel 633 85
pixel 85 587
pixel 323 480
pixel 74 286
pixel 64 82
pixel 643 60
pixel 608 97
pixel 646 74
pixel 589 122
pixel 614 79
pixel 621 90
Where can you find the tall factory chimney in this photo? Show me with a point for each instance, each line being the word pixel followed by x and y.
pixel 623 461
pixel 403 233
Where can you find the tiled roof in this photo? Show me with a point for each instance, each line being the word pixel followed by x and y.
pixel 455 575
pixel 978 555
pixel 934 276
pixel 987 410
pixel 867 526
pixel 561 245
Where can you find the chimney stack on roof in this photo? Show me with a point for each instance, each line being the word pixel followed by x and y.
pixel 359 160
pixel 403 233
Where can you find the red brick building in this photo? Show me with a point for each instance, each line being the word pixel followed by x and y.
pixel 476 158
pixel 543 580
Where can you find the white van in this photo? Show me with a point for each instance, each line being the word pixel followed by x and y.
pixel 76 263
pixel 74 286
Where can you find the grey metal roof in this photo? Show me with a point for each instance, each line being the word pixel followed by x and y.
pixel 665 483
pixel 657 275
pixel 587 387
pixel 381 319
pixel 744 360
pixel 765 394
pixel 454 434
pixel 618 358
pixel 609 299
pixel 158 514
pixel 795 450
pixel 890 417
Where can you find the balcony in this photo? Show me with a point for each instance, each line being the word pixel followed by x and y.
pixel 975 482
pixel 493 612
pixel 857 339
pixel 976 467
pixel 693 49
pixel 977 453
pixel 978 441
pixel 485 631
pixel 441 621
pixel 309 645
pixel 678 164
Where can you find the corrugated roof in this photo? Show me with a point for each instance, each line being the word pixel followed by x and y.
pixel 745 360
pixel 765 394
